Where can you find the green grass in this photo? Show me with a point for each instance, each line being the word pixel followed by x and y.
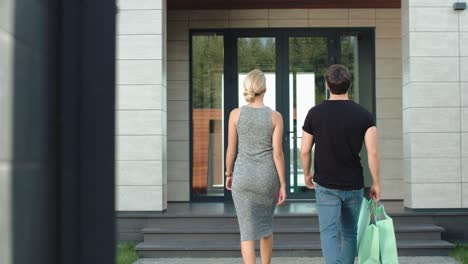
pixel 460 253
pixel 126 253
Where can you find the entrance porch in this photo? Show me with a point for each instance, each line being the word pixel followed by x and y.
pixel 211 230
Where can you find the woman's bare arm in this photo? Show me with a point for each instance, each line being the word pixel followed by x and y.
pixel 278 155
pixel 232 145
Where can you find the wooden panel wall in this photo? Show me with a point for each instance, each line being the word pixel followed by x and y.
pixel 201 140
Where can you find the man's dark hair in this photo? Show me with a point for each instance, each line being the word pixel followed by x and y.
pixel 338 79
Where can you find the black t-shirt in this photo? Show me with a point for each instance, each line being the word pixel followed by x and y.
pixel 338 127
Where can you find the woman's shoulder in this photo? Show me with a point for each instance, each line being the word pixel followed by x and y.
pixel 276 116
pixel 234 115
pixel 235 111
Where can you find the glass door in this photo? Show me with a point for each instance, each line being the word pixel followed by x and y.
pixel 307 60
pixel 294 62
pixel 249 50
pixel 356 50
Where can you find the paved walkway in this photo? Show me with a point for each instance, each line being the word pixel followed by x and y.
pixel 403 260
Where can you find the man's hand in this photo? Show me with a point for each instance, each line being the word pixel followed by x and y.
pixel 229 183
pixel 308 181
pixel 375 192
pixel 282 195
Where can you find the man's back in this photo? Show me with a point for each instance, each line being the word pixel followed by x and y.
pixel 338 127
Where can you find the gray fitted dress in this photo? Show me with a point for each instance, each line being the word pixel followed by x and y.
pixel 255 183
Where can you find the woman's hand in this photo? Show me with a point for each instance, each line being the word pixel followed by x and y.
pixel 229 182
pixel 282 195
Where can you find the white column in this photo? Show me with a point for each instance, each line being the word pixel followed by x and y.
pixel 141 113
pixel 434 114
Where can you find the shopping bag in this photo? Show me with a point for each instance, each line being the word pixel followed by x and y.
pixel 368 251
pixel 368 234
pixel 387 241
pixel 364 219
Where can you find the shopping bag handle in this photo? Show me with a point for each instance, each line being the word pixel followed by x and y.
pixel 373 205
pixel 377 211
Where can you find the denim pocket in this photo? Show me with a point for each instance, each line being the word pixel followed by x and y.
pixel 326 196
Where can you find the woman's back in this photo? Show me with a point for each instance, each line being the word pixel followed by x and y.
pixel 253 153
pixel 255 180
pixel 255 131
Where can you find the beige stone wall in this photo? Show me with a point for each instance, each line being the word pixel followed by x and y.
pixel 435 108
pixel 388 83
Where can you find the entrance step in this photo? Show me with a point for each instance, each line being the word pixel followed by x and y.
pixel 223 249
pixel 280 220
pixel 161 235
pixel 424 247
pixel 280 249
pixel 294 235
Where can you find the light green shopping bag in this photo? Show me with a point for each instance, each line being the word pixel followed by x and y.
pixel 364 219
pixel 368 234
pixel 369 251
pixel 387 241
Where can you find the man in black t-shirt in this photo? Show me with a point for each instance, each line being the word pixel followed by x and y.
pixel 338 127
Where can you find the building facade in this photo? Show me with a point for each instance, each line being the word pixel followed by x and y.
pixel 180 67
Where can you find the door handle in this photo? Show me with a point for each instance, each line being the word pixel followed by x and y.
pixel 294 134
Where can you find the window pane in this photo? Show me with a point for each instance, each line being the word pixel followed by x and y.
pixel 349 58
pixel 307 63
pixel 257 53
pixel 207 115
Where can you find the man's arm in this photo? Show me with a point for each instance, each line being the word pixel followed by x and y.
pixel 306 147
pixel 370 140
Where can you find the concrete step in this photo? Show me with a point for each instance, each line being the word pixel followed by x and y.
pixel 301 234
pixel 220 249
pixel 424 247
pixel 209 221
pixel 200 235
pixel 280 249
pixel 291 220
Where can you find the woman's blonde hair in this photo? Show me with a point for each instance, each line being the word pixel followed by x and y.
pixel 254 85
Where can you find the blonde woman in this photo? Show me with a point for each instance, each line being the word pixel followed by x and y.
pixel 257 181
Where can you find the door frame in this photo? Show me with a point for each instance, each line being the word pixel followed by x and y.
pixel 230 99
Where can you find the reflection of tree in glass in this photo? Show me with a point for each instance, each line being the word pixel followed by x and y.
pixel 348 53
pixel 310 54
pixel 207 71
pixel 306 54
pixel 256 53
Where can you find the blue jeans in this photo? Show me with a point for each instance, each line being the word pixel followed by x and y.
pixel 338 209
